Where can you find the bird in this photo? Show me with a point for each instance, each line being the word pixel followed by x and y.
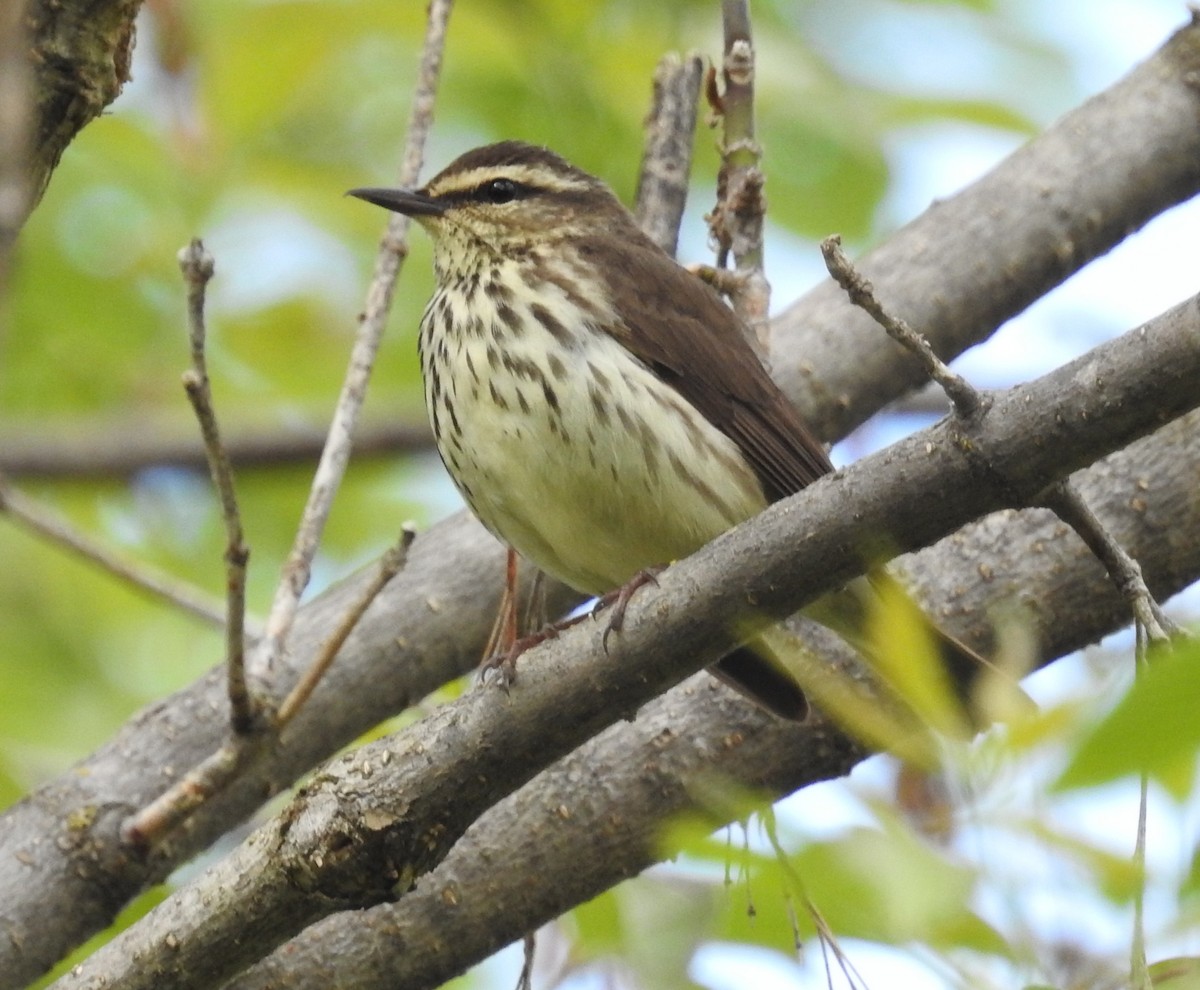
pixel 597 405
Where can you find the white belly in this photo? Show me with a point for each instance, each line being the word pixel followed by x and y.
pixel 590 467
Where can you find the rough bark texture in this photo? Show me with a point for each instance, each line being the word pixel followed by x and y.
pixel 975 260
pixel 80 53
pixel 384 815
pixel 611 796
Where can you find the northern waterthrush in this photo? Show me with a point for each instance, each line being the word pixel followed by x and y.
pixel 596 404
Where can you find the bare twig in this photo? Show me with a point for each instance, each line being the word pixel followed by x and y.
pixel 736 222
pixel 213 774
pixel 171 808
pixel 967 401
pixel 222 767
pixel 48 525
pixel 1065 501
pixel 197 267
pixel 1152 625
pixel 1062 498
pixel 528 948
pixel 389 566
pixel 667 157
pixel 392 251
pixel 1139 975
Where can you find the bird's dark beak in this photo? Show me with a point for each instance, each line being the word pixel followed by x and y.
pixel 411 202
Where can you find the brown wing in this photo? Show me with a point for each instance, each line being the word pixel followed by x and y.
pixel 683 331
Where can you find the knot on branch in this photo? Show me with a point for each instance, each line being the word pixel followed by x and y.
pixel 739 62
pixel 330 846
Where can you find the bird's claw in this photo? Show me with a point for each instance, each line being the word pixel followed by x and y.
pixel 619 601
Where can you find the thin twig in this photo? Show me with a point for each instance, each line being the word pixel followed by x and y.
pixel 1065 501
pixel 1063 498
pixel 528 951
pixel 202 781
pixel 967 401
pixel 55 528
pixel 736 222
pixel 825 934
pixel 197 267
pixel 393 249
pixel 219 770
pixel 667 157
pixel 390 565
pixel 171 808
pixel 1152 626
pixel 1139 975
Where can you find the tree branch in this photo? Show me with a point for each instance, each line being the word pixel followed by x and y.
pixel 59 530
pixel 973 261
pixel 198 267
pixel 663 763
pixel 114 448
pixel 393 249
pixel 80 53
pixel 385 814
pixel 667 157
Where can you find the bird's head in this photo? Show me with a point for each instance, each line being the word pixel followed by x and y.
pixel 501 200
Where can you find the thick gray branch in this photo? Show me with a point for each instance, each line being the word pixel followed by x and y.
pixel 387 813
pixel 639 774
pixel 80 54
pixel 973 261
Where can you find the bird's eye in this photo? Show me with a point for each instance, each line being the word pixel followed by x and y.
pixel 499 191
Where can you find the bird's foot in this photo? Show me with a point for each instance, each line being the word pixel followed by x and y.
pixel 501 666
pixel 619 600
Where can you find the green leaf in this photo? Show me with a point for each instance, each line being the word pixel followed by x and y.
pixel 1180 973
pixel 903 653
pixel 1154 728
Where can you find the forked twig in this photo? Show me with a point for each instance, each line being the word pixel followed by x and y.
pixel 390 565
pixel 171 808
pixel 1062 498
pixel 215 773
pixel 966 400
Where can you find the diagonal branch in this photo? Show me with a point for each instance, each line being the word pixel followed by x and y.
pixel 660 764
pixel 61 531
pixel 393 249
pixel 976 259
pixel 387 813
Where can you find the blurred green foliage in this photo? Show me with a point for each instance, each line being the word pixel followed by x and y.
pixel 244 125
